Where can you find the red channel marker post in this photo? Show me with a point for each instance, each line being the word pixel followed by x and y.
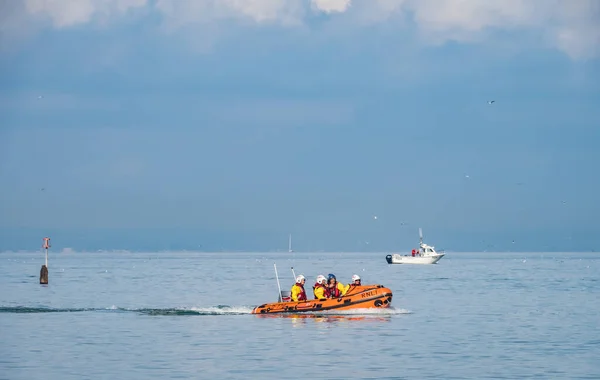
pixel 44 270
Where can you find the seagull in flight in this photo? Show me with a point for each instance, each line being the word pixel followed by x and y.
pixel 491 102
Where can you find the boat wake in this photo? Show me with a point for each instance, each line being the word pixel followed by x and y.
pixel 183 311
pixel 213 310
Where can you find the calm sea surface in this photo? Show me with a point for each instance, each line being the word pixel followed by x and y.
pixel 186 315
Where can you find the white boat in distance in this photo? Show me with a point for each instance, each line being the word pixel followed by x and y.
pixel 426 254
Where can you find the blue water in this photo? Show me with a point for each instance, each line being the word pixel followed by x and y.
pixel 186 315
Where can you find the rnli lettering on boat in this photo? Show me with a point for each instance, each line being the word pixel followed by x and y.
pixel 367 294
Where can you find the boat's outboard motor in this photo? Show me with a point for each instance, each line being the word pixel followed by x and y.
pixel 389 259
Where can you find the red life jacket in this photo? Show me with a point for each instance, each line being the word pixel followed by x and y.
pixel 302 295
pixel 334 292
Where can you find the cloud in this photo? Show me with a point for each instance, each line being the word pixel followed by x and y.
pixel 64 13
pixel 329 6
pixel 179 13
pixel 572 26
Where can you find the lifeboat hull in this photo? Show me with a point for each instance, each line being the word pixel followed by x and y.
pixel 359 297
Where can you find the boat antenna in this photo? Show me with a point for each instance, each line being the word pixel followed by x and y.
pixel 294 273
pixel 277 277
pixel 420 238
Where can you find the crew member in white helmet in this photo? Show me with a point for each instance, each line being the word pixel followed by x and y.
pixel 355 282
pixel 320 290
pixel 298 293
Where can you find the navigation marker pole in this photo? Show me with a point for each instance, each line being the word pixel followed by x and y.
pixel 44 270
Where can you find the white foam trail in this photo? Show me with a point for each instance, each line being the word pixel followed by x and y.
pixel 222 309
pixel 186 310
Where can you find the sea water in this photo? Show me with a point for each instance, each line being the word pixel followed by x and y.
pixel 168 315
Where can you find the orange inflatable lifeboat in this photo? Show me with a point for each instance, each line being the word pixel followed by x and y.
pixel 357 297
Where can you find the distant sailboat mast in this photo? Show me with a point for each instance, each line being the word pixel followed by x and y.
pixel 290 244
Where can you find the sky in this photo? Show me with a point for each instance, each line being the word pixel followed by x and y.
pixel 230 124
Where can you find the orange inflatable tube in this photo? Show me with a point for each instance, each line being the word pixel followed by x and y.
pixel 357 297
pixel 326 318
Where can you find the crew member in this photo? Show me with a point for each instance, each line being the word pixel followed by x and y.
pixel 335 288
pixel 320 289
pixel 355 282
pixel 298 293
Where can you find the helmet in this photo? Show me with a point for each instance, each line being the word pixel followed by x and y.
pixel 299 279
pixel 356 278
pixel 330 276
pixel 321 279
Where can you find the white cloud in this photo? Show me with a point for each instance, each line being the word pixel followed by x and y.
pixel 181 12
pixel 329 6
pixel 573 26
pixel 64 13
